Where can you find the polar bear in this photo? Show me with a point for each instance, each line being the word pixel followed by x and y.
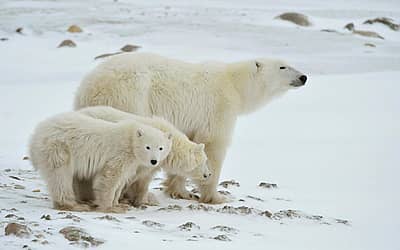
pixel 203 100
pixel 72 145
pixel 186 159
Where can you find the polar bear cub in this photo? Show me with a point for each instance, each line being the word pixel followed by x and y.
pixel 186 159
pixel 72 145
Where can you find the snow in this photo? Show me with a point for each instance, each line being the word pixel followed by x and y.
pixel 332 146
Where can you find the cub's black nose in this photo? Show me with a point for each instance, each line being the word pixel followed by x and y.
pixel 153 162
pixel 303 79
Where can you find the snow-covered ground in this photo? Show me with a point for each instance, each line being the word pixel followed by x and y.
pixel 332 146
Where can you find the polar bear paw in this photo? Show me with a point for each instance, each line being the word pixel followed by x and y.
pixel 183 195
pixel 151 200
pixel 214 198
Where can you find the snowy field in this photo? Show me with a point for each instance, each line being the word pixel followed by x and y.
pixel 332 146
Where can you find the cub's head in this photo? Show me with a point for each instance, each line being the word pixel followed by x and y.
pixel 188 159
pixel 151 146
pixel 276 75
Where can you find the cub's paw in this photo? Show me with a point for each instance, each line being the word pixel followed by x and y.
pixel 151 200
pixel 183 195
pixel 214 198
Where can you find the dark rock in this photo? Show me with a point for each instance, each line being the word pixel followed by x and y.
pixel 3 39
pixel 45 217
pixel 150 223
pixel 130 48
pixel 107 55
pixel 14 177
pixel 74 29
pixel 78 236
pixel 189 226
pixel 226 229
pixel 171 208
pixel 266 213
pixel 267 185
pixel 254 198
pixel 226 184
pixel 370 45
pixel 385 21
pixel 108 217
pixel 18 230
pixel 25 158
pixel 222 237
pixel 19 30
pixel 67 43
pixel 295 18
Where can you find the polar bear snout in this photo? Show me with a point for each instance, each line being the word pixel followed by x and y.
pixel 299 81
pixel 303 79
pixel 153 162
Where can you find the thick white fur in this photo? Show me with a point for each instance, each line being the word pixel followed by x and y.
pixel 186 159
pixel 202 100
pixel 73 145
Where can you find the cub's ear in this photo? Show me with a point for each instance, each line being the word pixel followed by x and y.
pixel 258 65
pixel 139 132
pixel 200 146
pixel 169 136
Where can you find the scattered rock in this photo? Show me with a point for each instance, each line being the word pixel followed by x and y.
pixel 266 213
pixel 73 217
pixel 10 216
pixel 45 217
pixel 130 217
pixel 254 198
pixel 226 229
pixel 267 185
pixel 295 18
pixel 108 217
pixel 385 21
pixel 107 55
pixel 130 48
pixel 25 158
pixel 200 207
pixel 226 184
pixel 3 39
pixel 350 27
pixel 370 45
pixel 222 237
pixel 345 222
pixel 36 190
pixel 74 29
pixel 67 43
pixel 189 226
pixel 17 186
pixel 14 177
pixel 329 30
pixel 150 223
pixel 18 230
pixel 368 33
pixel 78 236
pixel 45 242
pixel 285 214
pixel 235 210
pixel 171 208
pixel 19 30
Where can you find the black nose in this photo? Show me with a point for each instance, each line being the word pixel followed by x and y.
pixel 153 162
pixel 303 79
pixel 206 175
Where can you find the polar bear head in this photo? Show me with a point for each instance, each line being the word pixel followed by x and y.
pixel 151 146
pixel 259 81
pixel 187 159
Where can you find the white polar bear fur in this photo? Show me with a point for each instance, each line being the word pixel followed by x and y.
pixel 202 100
pixel 72 145
pixel 186 159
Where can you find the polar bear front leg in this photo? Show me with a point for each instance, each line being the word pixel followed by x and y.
pixel 175 187
pixel 208 190
pixel 105 187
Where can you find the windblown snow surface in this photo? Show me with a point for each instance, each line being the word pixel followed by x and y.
pixel 332 146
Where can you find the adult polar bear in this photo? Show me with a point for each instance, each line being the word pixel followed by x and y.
pixel 202 100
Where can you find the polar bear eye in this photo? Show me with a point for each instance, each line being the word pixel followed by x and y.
pixel 147 147
pixel 161 148
pixel 282 67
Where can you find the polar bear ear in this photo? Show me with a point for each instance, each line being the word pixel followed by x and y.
pixel 139 132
